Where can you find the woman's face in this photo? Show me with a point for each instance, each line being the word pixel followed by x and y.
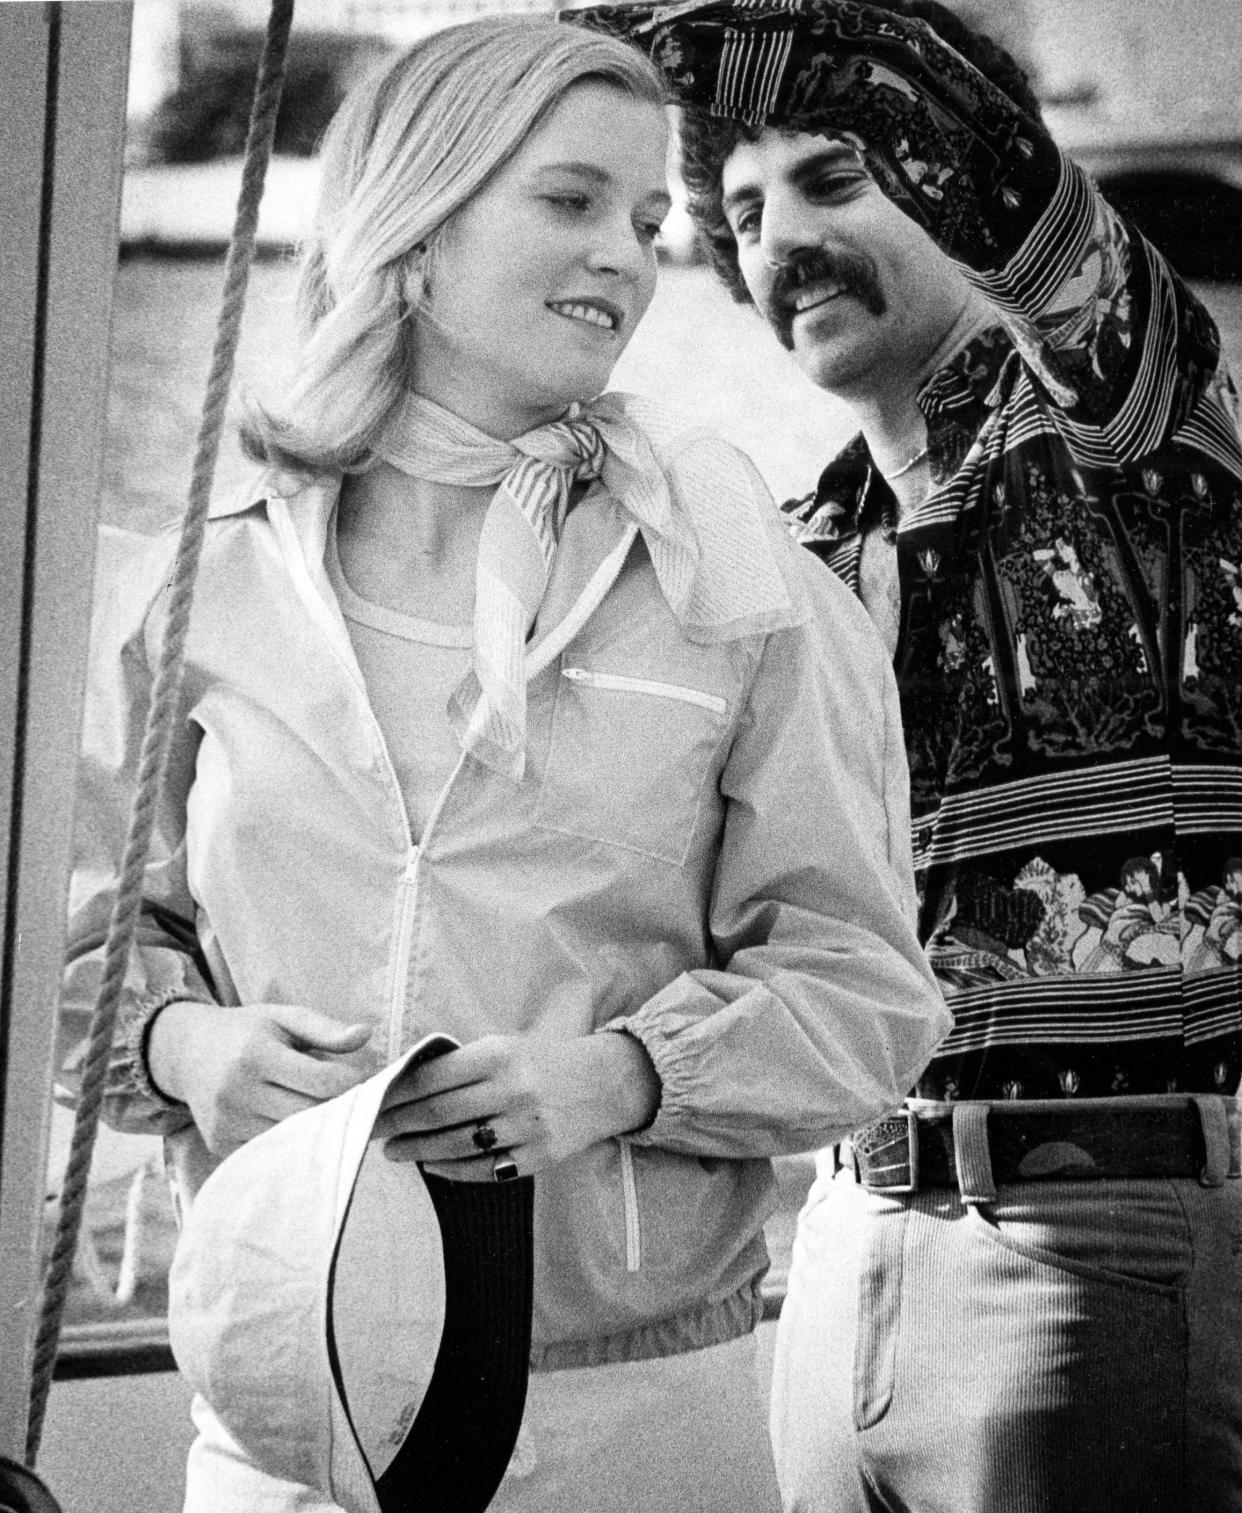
pixel 545 273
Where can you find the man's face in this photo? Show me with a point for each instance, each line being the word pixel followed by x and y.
pixel 858 293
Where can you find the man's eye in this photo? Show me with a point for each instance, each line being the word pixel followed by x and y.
pixel 834 185
pixel 747 222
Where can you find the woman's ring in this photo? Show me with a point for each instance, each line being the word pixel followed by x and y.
pixel 504 1168
pixel 483 1136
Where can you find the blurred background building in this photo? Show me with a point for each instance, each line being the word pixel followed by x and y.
pixel 192 63
pixel 1146 94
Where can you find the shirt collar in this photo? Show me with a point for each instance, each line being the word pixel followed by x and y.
pixel 959 396
pixel 955 400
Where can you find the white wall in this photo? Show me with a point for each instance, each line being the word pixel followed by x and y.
pixel 1163 68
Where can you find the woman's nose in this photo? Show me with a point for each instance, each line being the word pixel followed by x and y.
pixel 620 248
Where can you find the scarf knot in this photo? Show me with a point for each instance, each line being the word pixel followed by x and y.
pixel 534 474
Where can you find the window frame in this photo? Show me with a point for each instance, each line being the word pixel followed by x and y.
pixel 63 75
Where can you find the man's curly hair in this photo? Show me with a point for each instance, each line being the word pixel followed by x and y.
pixel 706 141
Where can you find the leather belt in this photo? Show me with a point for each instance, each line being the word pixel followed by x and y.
pixel 1031 1142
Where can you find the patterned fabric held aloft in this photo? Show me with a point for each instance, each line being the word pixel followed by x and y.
pixel 1070 664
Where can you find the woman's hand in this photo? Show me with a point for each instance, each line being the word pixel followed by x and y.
pixel 241 1070
pixel 544 1100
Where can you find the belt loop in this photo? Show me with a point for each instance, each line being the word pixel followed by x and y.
pixel 971 1154
pixel 1219 1159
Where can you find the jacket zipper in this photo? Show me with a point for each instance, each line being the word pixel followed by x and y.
pixel 629 1191
pixel 407 904
pixel 407 890
pixel 407 900
pixel 625 684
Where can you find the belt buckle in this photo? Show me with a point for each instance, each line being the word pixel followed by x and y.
pixel 900 1133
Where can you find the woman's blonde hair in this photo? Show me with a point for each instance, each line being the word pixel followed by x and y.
pixel 407 149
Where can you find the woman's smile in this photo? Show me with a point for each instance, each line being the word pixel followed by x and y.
pixel 591 312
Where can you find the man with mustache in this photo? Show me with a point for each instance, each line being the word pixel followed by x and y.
pixel 1024 1291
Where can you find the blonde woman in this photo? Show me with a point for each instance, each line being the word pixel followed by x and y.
pixel 498 694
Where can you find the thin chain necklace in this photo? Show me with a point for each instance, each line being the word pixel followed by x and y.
pixel 906 466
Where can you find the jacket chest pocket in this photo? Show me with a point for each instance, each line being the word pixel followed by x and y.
pixel 629 760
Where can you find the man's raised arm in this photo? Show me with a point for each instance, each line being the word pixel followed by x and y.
pixel 1118 344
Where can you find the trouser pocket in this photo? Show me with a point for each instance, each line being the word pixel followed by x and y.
pixel 1128 1234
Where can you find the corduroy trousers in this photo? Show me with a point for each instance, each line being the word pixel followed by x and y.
pixel 1071 1347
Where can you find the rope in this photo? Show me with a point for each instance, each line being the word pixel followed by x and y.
pixel 161 718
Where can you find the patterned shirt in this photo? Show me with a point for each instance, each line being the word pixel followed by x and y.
pixel 1070 643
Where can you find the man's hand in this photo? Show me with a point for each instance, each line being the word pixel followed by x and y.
pixel 241 1070
pixel 545 1101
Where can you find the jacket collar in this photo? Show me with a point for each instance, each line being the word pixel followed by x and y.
pixel 739 588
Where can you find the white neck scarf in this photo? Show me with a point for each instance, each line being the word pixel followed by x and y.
pixel 535 473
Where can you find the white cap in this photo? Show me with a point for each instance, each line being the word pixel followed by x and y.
pixel 304 1238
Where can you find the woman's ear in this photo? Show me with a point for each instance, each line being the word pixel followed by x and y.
pixel 418 272
pixel 415 283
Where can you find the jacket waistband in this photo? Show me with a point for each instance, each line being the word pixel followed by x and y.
pixel 713 1323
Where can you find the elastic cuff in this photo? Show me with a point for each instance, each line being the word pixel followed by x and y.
pixel 622 1027
pixel 130 1053
pixel 671 1107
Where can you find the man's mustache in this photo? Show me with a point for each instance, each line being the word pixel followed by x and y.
pixel 852 270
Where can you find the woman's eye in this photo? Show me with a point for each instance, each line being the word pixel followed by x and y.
pixel 649 230
pixel 575 204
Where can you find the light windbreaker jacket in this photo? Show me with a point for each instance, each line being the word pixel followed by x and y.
pixel 709 851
